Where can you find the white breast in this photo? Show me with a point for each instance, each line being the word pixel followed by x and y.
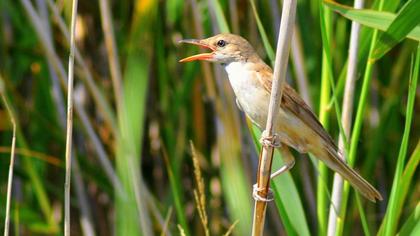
pixel 251 95
pixel 254 100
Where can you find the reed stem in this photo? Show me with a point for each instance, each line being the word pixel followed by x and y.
pixel 279 77
pixel 69 131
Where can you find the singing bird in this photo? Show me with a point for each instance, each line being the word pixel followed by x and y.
pixel 297 126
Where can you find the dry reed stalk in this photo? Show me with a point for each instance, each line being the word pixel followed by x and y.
pixel 12 158
pixel 230 230
pixel 62 75
pixel 279 77
pixel 87 78
pixel 85 218
pixel 69 130
pixel 165 227
pixel 199 194
pixel 346 118
pixel 112 50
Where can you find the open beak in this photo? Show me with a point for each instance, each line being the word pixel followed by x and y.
pixel 201 56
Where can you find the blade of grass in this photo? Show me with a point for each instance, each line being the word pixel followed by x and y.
pixel 268 48
pixel 176 140
pixel 363 219
pixel 404 22
pixel 220 16
pixel 235 185
pixel 134 220
pixel 365 39
pixel 29 167
pixel 392 220
pixel 405 184
pixel 234 182
pixel 176 193
pixel 389 108
pixel 12 157
pixel 198 26
pixel 412 224
pixel 322 195
pixel 374 19
pixel 233 179
pixel 174 10
pixel 329 72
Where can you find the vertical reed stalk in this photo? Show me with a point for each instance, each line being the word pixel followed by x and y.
pixel 69 121
pixel 358 125
pixel 87 78
pixel 279 77
pixel 345 119
pixel 12 158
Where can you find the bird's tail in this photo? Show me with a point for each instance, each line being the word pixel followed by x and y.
pixel 333 160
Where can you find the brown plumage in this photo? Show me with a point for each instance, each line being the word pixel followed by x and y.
pixel 297 125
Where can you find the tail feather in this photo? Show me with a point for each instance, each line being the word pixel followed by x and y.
pixel 333 161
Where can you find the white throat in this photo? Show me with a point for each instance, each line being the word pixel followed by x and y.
pixel 238 75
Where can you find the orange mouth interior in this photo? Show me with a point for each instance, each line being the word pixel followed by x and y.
pixel 201 56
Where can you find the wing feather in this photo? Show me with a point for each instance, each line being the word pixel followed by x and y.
pixel 291 101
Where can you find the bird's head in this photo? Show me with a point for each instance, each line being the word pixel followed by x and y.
pixel 225 48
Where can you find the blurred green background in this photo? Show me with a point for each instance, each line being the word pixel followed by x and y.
pixel 140 116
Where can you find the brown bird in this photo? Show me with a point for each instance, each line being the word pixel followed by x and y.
pixel 297 125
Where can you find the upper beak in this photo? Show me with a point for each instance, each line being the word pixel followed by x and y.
pixel 201 56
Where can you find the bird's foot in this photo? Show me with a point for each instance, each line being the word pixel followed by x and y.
pixel 270 140
pixel 283 169
pixel 257 197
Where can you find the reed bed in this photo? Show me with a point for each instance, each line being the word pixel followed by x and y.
pixel 160 148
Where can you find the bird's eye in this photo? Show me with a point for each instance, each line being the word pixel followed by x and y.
pixel 221 43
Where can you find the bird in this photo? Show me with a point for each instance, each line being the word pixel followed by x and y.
pixel 297 126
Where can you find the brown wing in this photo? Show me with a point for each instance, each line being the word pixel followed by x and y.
pixel 291 101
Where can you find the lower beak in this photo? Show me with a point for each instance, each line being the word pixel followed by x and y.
pixel 201 56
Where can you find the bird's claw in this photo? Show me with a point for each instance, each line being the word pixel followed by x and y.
pixel 257 197
pixel 270 140
pixel 283 169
